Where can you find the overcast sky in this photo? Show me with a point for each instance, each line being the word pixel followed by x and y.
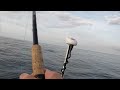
pixel 94 30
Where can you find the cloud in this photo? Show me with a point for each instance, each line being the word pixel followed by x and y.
pixel 114 20
pixel 64 19
pixel 46 19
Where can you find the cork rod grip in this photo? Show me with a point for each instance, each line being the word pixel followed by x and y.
pixel 37 60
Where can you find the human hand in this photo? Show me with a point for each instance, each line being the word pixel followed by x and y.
pixel 48 75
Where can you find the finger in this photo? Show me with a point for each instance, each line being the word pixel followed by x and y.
pixel 26 76
pixel 52 75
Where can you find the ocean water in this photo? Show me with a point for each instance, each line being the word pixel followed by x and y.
pixel 15 58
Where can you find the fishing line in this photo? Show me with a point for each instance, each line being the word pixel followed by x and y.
pixel 26 27
pixel 0 26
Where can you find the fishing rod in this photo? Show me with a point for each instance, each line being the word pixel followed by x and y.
pixel 37 58
pixel 71 42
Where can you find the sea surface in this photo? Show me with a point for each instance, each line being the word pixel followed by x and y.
pixel 15 58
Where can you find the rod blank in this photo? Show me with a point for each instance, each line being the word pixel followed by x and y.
pixel 35 36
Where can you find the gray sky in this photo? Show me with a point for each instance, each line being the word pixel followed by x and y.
pixel 94 30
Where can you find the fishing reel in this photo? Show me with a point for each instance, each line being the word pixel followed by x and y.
pixel 71 43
